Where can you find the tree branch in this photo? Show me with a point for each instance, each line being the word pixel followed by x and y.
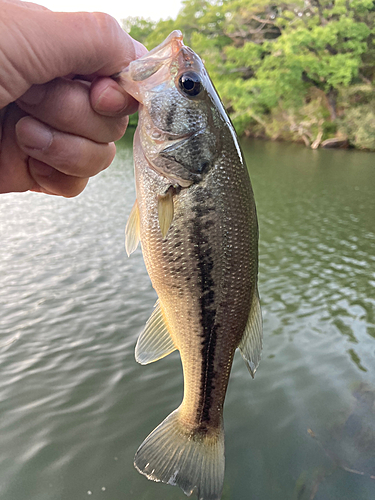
pixel 262 21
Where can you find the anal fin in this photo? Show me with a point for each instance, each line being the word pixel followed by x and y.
pixel 133 230
pixel 251 342
pixel 155 341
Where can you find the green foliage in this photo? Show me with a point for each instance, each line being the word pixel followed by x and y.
pixel 133 120
pixel 138 28
pixel 280 66
pixel 359 126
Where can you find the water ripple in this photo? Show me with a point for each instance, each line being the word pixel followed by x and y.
pixel 75 405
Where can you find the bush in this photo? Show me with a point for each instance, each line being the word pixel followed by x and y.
pixel 359 125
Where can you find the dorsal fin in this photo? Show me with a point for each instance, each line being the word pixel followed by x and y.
pixel 251 342
pixel 133 230
pixel 155 341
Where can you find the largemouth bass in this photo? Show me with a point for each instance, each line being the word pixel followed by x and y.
pixel 196 219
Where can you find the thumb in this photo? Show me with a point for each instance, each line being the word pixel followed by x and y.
pixel 39 45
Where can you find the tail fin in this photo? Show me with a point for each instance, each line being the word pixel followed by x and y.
pixel 192 461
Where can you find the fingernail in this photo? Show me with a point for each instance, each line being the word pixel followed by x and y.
pixel 34 95
pixel 33 134
pixel 111 101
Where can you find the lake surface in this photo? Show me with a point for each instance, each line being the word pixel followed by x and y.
pixel 74 404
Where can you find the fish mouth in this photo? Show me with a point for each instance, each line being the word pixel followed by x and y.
pixel 143 74
pixel 146 66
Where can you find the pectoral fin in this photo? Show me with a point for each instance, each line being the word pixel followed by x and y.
pixel 251 342
pixel 133 230
pixel 165 211
pixel 155 341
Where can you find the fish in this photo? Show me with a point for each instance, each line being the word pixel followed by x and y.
pixel 195 217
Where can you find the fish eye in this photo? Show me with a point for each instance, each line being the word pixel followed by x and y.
pixel 190 83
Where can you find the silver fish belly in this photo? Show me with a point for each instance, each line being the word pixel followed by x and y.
pixel 196 220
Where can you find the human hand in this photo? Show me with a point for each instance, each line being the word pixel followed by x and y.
pixel 59 110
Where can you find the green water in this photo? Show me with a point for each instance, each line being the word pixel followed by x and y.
pixel 74 404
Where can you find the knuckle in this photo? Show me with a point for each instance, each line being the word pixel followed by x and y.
pixel 66 154
pixel 74 188
pixel 74 107
pixel 104 20
pixel 110 155
pixel 100 159
pixel 108 28
pixel 78 157
pixel 120 127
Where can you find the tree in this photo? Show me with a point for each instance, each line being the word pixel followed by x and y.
pixel 280 65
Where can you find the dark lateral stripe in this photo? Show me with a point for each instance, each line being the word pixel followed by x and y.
pixel 203 253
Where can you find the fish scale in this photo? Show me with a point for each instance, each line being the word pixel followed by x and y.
pixel 196 219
